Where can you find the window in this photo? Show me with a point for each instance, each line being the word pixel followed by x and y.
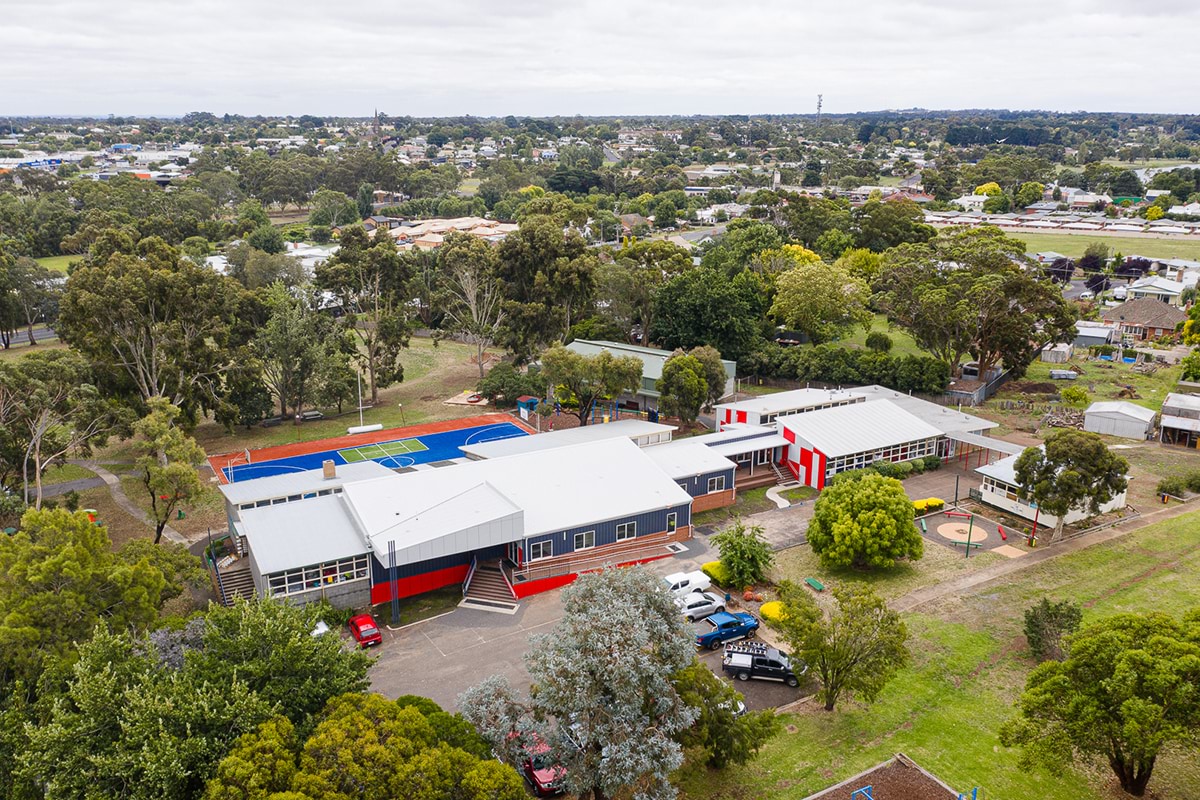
pixel 315 576
pixel 585 540
pixel 539 550
pixel 671 522
pixel 626 530
pixel 716 484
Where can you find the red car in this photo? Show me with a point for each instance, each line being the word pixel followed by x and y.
pixel 544 776
pixel 365 631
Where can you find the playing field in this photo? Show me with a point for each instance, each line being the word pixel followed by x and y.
pixel 377 452
pixel 399 453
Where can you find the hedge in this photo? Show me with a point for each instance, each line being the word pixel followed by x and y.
pixel 928 505
pixel 1179 485
pixel 832 363
pixel 892 469
pixel 716 571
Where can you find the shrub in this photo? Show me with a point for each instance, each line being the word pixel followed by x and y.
pixel 1175 485
pixel 1046 624
pixel 852 475
pixel 716 571
pixel 1193 480
pixel 1074 395
pixel 771 611
pixel 879 342
pixel 919 506
pixel 934 503
pixel 745 554
pixel 931 463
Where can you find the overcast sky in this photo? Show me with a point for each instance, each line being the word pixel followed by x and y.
pixel 543 57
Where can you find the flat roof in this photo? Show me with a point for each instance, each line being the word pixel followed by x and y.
pixel 1180 423
pixel 797 398
pixel 303 482
pixel 1180 400
pixel 1140 413
pixel 943 418
pixel 630 428
pixel 557 489
pixel 859 427
pixel 290 535
pixel 686 458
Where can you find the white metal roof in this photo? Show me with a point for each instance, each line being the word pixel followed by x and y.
pixel 557 489
pixel 859 427
pixel 786 401
pixel 629 428
pixel 290 535
pixel 1179 400
pixel 1004 470
pixel 748 445
pixel 943 418
pixel 732 430
pixel 293 483
pixel 1121 408
pixel 685 458
pixel 1182 423
pixel 999 445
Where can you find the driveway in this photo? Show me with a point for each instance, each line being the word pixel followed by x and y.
pixel 442 657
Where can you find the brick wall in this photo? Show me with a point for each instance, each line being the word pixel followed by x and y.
pixel 713 500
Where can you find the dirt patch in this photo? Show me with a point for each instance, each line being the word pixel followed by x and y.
pixel 1032 387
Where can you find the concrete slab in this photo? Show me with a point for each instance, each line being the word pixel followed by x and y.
pixel 1008 551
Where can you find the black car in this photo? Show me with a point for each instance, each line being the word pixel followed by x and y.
pixel 746 660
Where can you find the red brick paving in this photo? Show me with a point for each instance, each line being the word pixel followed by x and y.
pixel 219 461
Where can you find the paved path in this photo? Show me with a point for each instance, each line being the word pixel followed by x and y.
pixel 130 507
pixel 929 594
pixel 773 496
pixel 77 485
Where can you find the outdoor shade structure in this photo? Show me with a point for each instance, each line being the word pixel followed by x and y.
pixel 1119 418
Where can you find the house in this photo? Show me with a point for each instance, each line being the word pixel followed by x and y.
pixel 646 397
pixel 1189 210
pixel 377 221
pixel 1152 286
pixel 1119 418
pixel 1180 421
pixel 970 202
pixel 631 221
pixel 1143 319
pixel 1047 257
pixel 359 534
pixel 1001 489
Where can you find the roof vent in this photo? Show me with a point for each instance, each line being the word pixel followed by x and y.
pixel 328 469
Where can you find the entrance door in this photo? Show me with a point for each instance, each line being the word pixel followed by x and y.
pixel 764 457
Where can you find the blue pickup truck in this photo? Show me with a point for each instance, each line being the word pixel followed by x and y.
pixel 714 631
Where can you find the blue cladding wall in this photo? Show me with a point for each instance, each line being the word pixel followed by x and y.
pixel 698 486
pixel 380 574
pixel 606 532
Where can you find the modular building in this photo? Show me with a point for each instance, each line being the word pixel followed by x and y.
pixel 355 535
pixel 1001 489
pixel 764 410
pixel 1180 421
pixel 646 397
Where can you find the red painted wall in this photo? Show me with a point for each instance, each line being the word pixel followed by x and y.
pixel 418 584
pixel 546 584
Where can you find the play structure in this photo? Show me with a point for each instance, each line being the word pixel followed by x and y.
pixel 972 533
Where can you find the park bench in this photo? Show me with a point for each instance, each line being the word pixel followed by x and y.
pixel 815 584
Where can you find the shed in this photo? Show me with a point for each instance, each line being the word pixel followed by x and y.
pixel 1058 354
pixel 1119 418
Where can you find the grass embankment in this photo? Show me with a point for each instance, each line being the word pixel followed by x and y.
pixel 58 263
pixel 969 663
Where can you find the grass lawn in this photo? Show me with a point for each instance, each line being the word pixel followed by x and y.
pixel 58 263
pixel 939 563
pixel 902 343
pixel 67 472
pixel 969 663
pixel 431 375
pixel 199 516
pixel 469 187
pixel 749 501
pixel 121 527
pixel 798 494
pixel 1073 244
pixel 20 347
pixel 423 606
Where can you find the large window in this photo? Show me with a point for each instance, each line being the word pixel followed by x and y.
pixel 585 540
pixel 716 484
pixel 305 579
pixel 626 530
pixel 539 550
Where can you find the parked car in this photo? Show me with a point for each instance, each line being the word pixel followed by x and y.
pixel 1087 295
pixel 746 660
pixel 311 416
pixel 699 605
pixel 544 776
pixel 714 631
pixel 683 583
pixel 364 630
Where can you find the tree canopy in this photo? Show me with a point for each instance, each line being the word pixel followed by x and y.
pixel 865 522
pixel 579 381
pixel 1072 470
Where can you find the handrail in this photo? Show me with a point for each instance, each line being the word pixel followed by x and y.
pixel 532 572
pixel 507 582
pixel 470 574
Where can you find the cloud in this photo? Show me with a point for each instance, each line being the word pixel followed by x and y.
pixel 584 56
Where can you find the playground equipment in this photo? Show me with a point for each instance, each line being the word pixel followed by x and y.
pixel 865 793
pixel 1003 535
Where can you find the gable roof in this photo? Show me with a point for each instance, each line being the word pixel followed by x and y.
pixel 1146 311
pixel 858 427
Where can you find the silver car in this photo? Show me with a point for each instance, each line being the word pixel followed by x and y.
pixel 699 605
